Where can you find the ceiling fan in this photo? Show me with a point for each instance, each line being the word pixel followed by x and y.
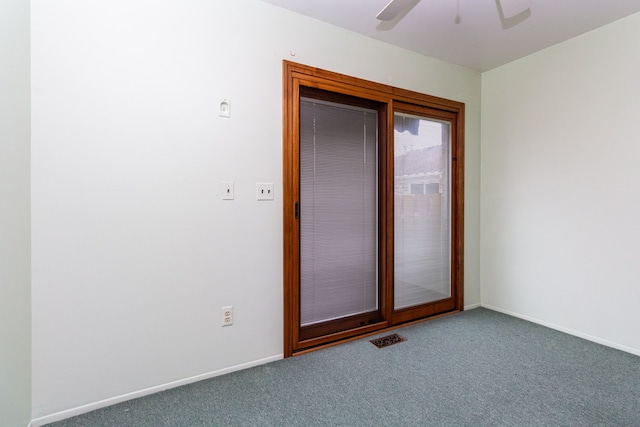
pixel 510 8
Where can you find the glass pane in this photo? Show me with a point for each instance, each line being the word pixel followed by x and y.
pixel 422 238
pixel 338 211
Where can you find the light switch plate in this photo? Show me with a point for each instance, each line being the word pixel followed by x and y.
pixel 264 190
pixel 227 190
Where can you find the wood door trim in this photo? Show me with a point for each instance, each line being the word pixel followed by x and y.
pixel 311 75
pixel 291 196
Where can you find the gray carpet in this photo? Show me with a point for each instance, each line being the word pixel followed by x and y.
pixel 476 368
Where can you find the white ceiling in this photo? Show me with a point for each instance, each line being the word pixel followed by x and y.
pixel 471 33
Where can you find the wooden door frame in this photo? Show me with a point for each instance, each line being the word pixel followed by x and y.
pixel 297 75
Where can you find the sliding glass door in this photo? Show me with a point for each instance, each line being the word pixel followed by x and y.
pixel 373 207
pixel 422 214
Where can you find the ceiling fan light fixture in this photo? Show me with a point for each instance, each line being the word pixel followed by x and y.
pixel 511 8
pixel 393 9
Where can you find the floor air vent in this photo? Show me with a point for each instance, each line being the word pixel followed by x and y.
pixel 387 341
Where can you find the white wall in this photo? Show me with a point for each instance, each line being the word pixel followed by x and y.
pixel 15 280
pixel 560 186
pixel 134 252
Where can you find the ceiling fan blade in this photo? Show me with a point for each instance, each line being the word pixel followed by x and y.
pixel 393 9
pixel 511 8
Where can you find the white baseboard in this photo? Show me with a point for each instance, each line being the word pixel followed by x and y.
pixel 566 330
pixel 58 416
pixel 472 306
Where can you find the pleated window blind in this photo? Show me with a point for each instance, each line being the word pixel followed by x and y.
pixel 338 211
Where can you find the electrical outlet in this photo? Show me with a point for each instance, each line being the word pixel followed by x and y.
pixel 227 315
